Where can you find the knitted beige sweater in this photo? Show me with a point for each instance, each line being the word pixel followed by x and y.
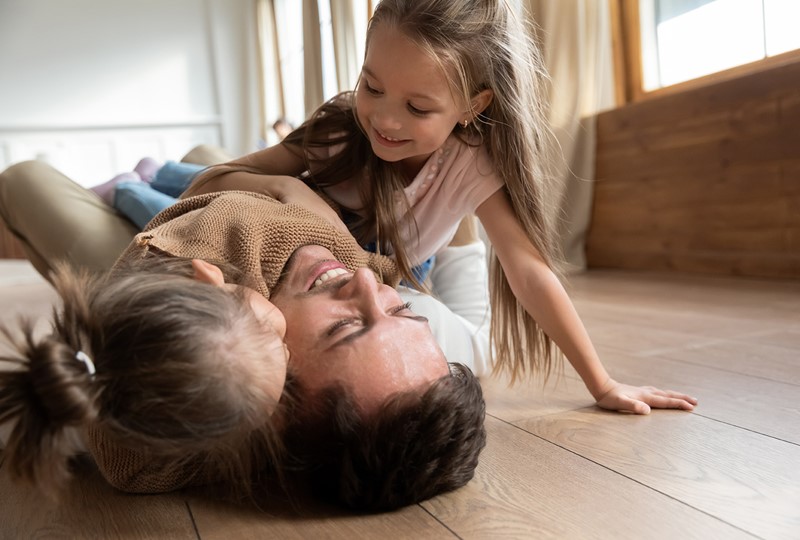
pixel 255 233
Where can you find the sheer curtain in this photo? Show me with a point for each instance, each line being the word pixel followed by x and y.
pixel 312 56
pixel 273 104
pixel 307 57
pixel 346 43
pixel 575 36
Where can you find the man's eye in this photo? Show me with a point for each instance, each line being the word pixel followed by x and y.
pixel 338 325
pixel 403 307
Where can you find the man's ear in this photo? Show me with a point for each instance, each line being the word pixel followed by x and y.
pixel 481 100
pixel 206 272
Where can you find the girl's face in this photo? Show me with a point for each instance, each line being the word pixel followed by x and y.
pixel 403 100
pixel 265 311
pixel 268 315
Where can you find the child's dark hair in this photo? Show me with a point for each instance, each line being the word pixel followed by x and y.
pixel 417 445
pixel 178 372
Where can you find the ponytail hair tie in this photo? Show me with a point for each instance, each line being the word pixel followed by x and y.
pixel 81 356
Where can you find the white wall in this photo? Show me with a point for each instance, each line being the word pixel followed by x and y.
pixel 93 85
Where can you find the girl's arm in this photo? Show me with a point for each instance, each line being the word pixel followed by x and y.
pixel 264 171
pixel 272 171
pixel 541 294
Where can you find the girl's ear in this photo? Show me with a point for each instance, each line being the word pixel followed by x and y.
pixel 479 103
pixel 206 272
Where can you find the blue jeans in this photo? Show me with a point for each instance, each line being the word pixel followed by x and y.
pixel 174 177
pixel 140 202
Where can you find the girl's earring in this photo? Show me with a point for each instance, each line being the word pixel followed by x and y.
pixel 465 124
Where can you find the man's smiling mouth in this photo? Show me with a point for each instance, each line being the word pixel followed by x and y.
pixel 328 274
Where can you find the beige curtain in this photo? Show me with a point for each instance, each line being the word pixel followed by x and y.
pixel 345 46
pixel 575 36
pixel 273 105
pixel 312 45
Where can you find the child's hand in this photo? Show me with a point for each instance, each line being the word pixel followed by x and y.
pixel 639 399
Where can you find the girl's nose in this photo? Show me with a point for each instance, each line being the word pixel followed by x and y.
pixel 386 121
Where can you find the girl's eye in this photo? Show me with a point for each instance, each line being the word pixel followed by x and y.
pixel 371 90
pixel 418 112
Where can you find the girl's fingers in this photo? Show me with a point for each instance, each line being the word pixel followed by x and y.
pixel 633 405
pixel 662 402
pixel 675 395
pixel 640 407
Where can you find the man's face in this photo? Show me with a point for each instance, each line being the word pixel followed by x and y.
pixel 347 328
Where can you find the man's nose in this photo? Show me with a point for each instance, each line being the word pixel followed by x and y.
pixel 363 282
pixel 364 289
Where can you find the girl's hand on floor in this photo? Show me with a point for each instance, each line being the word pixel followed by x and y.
pixel 640 399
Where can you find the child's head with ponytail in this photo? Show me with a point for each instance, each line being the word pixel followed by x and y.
pixel 169 381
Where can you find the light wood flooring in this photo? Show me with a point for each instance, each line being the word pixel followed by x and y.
pixel 555 466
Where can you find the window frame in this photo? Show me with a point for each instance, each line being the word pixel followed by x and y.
pixel 627 51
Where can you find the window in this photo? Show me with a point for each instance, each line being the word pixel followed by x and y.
pixel 289 27
pixel 668 42
pixel 288 40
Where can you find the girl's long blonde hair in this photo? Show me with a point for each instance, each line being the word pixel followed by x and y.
pixel 482 44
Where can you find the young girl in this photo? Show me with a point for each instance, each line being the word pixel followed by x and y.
pixel 168 376
pixel 447 119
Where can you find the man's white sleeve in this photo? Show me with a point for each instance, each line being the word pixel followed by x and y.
pixel 460 321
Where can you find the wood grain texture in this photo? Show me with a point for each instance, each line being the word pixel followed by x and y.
pixel 555 466
pixel 766 407
pixel 704 180
pixel 529 488
pixel 713 467
pixel 510 403
pixel 90 508
pixel 307 519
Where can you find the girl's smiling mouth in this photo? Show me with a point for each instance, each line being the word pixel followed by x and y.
pixel 388 141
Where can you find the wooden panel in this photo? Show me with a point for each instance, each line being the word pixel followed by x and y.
pixel 723 395
pixel 707 465
pixel 307 519
pixel 91 509
pixel 765 360
pixel 554 466
pixel 563 496
pixel 706 180
pixel 530 397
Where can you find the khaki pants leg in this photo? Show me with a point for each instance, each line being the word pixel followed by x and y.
pixel 58 220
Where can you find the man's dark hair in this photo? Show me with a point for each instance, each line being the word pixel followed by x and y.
pixel 417 445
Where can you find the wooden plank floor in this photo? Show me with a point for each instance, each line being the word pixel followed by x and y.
pixel 555 466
